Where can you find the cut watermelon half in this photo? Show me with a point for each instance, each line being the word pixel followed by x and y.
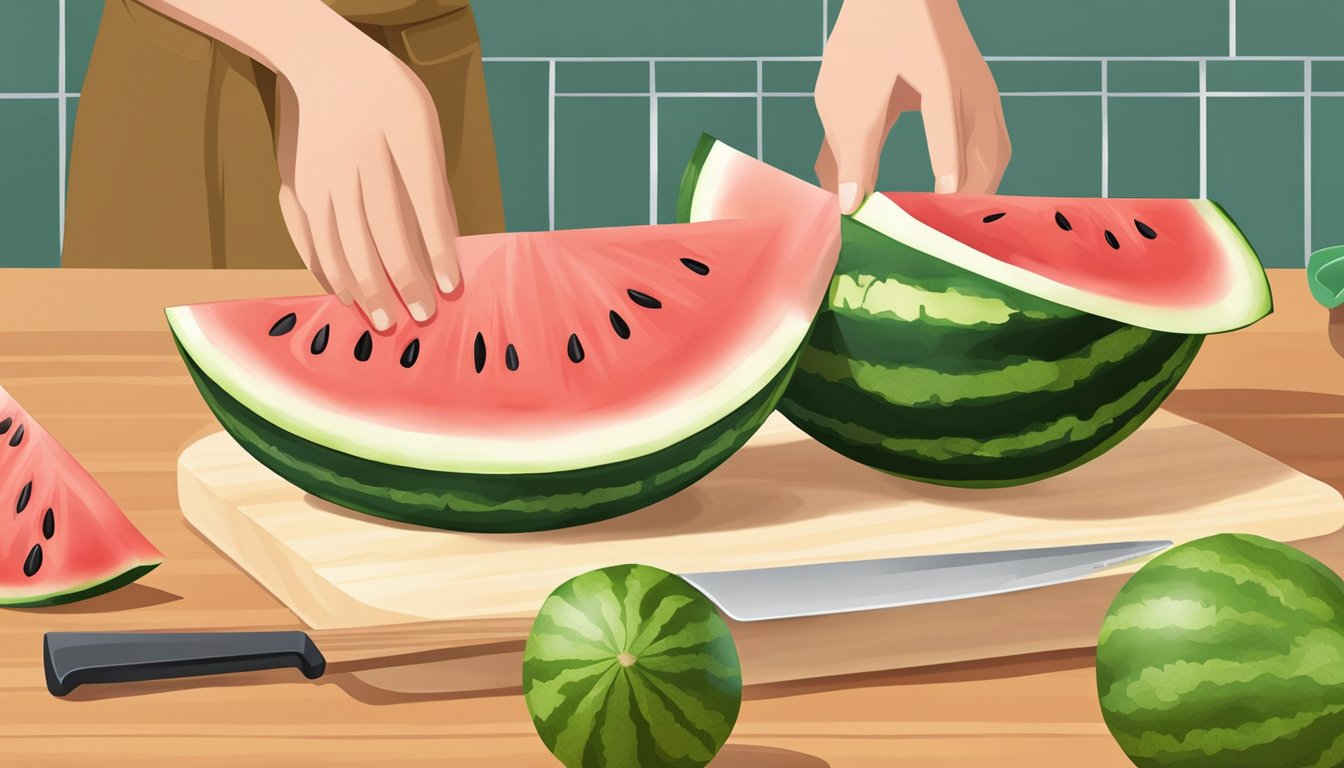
pixel 578 375
pixel 65 538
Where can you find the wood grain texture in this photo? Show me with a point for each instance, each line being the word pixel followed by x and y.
pixel 89 355
pixel 784 499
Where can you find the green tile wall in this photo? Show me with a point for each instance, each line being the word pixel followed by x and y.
pixel 1102 97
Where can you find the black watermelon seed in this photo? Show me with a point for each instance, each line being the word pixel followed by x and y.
pixel 16 438
pixel 993 217
pixel 25 493
pixel 284 325
pixel 364 347
pixel 575 348
pixel 644 299
pixel 1062 222
pixel 480 352
pixel 1145 230
pixel 409 355
pixel 1110 238
pixel 33 561
pixel 698 267
pixel 511 358
pixel 319 344
pixel 49 524
pixel 5 425
pixel 619 325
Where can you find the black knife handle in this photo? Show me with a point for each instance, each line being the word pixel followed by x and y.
pixel 74 658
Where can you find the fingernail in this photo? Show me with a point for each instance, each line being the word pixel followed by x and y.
pixel 419 311
pixel 381 320
pixel 849 197
pixel 447 282
pixel 946 184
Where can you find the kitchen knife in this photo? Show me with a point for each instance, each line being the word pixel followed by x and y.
pixel 72 659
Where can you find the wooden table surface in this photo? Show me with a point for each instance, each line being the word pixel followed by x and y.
pixel 87 352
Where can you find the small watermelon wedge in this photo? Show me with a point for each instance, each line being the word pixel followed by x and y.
pixel 64 539
pixel 578 374
pixel 985 341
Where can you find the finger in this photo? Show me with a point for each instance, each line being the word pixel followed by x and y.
pixel 825 168
pixel 402 257
pixel 327 248
pixel 853 103
pixel 942 131
pixel 296 221
pixel 983 166
pixel 372 291
pixel 855 136
pixel 426 186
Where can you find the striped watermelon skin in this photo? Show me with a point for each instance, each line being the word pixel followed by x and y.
pixel 922 369
pixel 1226 652
pixel 503 503
pixel 631 666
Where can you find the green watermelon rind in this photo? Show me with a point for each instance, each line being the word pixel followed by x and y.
pixel 1262 685
pixel 982 442
pixel 484 503
pixel 82 591
pixel 673 707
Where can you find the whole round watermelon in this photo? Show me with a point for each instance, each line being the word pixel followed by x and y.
pixel 987 340
pixel 1226 652
pixel 631 666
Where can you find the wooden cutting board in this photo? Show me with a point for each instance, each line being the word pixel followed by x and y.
pixel 783 499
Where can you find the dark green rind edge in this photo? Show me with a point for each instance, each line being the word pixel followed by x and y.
pixel 690 178
pixel 103 587
pixel 487 503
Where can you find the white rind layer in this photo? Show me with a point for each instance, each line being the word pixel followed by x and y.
pixel 1245 299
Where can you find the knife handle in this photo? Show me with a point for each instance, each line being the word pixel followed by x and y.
pixel 74 658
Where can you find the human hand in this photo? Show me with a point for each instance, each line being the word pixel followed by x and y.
pixel 363 188
pixel 886 57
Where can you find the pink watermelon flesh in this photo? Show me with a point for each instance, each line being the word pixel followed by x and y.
pixel 1129 246
pixel 65 538
pixel 553 334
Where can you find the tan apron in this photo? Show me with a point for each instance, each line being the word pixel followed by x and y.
pixel 173 161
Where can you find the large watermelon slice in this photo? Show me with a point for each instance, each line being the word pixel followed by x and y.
pixel 985 341
pixel 64 539
pixel 578 375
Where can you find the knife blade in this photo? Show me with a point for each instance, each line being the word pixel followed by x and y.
pixel 795 591
pixel 71 659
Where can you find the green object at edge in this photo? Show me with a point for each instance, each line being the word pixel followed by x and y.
pixel 1325 275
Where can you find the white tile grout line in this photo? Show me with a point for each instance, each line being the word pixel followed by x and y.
pixel 1203 130
pixel 550 146
pixel 62 129
pixel 760 110
pixel 1036 94
pixel 814 59
pixel 1105 134
pixel 1231 27
pixel 1306 158
pixel 825 22
pixel 653 144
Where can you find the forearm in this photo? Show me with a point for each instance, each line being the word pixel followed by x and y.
pixel 284 36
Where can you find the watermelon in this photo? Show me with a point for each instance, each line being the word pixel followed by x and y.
pixel 65 539
pixel 631 666
pixel 986 341
pixel 579 374
pixel 1226 652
